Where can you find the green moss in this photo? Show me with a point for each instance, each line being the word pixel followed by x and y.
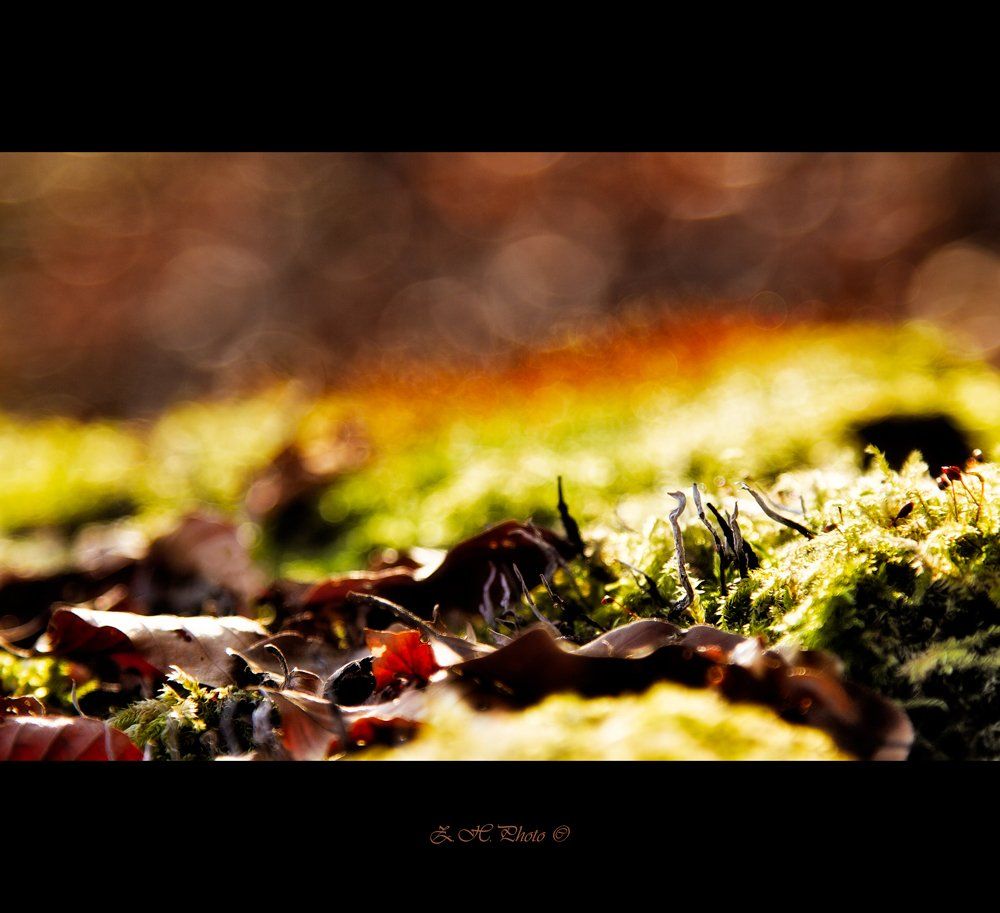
pixel 190 722
pixel 45 678
pixel 910 606
pixel 58 471
pixel 202 453
pixel 668 722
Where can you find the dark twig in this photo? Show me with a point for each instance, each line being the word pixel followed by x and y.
pixel 774 505
pixel 571 610
pixel 739 546
pixel 227 726
pixel 271 648
pixel 719 547
pixel 531 602
pixel 774 515
pixel 641 577
pixel 557 600
pixel 460 645
pixel 673 516
pixel 75 701
pixel 727 531
pixel 570 525
pixel 561 562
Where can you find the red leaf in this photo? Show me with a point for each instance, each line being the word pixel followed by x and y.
pixel 63 738
pixel 400 655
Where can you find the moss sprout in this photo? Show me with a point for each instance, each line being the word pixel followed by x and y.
pixel 187 721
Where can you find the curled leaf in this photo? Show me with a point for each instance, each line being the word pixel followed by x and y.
pixel 352 684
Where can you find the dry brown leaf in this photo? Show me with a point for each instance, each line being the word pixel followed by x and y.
pixel 198 645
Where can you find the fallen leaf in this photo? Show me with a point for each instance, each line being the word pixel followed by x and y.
pixel 201 561
pixel 314 729
pixel 198 645
pixel 477 575
pixel 636 639
pixel 63 738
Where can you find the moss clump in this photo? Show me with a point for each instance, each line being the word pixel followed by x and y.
pixel 190 722
pixel 668 722
pixel 910 604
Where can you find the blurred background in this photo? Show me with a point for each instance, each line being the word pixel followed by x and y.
pixel 128 281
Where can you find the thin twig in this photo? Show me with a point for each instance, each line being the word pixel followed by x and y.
pixel 972 497
pixel 570 525
pixel 726 530
pixel 557 600
pixel 647 579
pixel 531 602
pixel 74 700
pixel 719 547
pixel 739 546
pixel 570 609
pixel 282 661
pixel 982 495
pixel 774 515
pixel 673 516
pixel 459 645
